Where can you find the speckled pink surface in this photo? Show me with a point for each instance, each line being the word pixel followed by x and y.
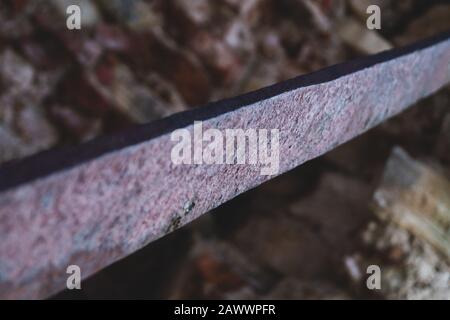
pixel 102 210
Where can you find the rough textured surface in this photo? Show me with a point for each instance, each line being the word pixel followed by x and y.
pixel 101 210
pixel 410 230
pixel 417 198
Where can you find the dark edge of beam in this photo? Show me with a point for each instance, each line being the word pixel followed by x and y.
pixel 17 172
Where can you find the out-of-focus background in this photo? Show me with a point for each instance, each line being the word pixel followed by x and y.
pixel 382 199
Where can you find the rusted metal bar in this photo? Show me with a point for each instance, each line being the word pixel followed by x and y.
pixel 93 204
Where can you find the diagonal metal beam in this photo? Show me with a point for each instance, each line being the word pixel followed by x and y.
pixel 93 204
